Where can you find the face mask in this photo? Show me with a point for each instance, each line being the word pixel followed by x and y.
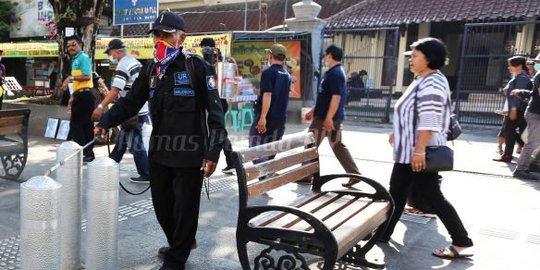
pixel 163 55
pixel 537 66
pixel 112 60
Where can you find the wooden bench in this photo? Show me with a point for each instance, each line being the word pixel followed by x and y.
pixel 328 224
pixel 14 141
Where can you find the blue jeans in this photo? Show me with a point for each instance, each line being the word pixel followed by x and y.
pixel 137 147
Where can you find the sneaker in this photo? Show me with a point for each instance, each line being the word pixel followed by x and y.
pixel 525 175
pixel 139 180
pixel 228 170
pixel 503 158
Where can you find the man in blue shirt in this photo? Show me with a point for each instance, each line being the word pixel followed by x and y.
pixel 329 112
pixel 271 106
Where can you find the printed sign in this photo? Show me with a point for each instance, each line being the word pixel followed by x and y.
pixel 251 57
pixel 134 11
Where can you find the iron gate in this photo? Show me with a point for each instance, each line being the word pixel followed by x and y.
pixel 370 60
pixel 483 67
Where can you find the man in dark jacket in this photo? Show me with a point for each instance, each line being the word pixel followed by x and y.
pixel 187 136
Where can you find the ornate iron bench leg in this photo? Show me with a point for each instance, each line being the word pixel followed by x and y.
pixel 289 260
pixel 14 165
pixel 243 255
pixel 357 255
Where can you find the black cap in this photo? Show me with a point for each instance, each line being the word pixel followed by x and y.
pixel 208 42
pixel 168 22
pixel 115 44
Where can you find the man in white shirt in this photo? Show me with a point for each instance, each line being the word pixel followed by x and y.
pixel 127 70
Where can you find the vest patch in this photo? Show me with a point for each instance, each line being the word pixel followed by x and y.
pixel 183 92
pixel 181 78
pixel 211 82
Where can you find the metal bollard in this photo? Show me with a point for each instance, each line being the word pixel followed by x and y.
pixel 102 214
pixel 40 235
pixel 70 177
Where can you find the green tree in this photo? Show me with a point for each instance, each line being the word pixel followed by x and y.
pixel 7 16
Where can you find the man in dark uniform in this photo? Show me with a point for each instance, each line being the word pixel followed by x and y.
pixel 187 136
pixel 271 106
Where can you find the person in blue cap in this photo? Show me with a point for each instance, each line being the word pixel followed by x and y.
pixel 187 136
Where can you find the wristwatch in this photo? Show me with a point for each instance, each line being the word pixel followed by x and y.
pixel 100 107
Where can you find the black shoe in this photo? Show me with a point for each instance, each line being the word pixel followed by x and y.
pixel 163 250
pixel 139 180
pixel 228 170
pixel 166 267
pixel 88 159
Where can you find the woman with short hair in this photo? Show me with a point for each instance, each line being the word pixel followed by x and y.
pixel 421 118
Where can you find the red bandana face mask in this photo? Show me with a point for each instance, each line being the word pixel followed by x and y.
pixel 163 55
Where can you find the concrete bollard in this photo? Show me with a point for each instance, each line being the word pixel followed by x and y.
pixel 40 235
pixel 102 214
pixel 69 175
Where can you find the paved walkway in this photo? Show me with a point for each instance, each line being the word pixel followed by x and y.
pixel 501 213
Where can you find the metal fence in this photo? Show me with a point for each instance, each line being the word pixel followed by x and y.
pixel 483 67
pixel 370 60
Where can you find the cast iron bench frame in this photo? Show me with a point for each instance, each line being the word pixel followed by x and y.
pixel 328 224
pixel 14 141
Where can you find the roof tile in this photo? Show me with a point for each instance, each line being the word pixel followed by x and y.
pixel 376 13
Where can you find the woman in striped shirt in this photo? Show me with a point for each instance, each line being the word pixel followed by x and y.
pixel 428 100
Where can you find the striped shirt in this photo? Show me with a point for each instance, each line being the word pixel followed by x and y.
pixel 127 71
pixel 433 113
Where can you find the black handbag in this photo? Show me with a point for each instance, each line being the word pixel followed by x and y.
pixel 438 157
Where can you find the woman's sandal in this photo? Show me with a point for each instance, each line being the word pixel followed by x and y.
pixel 450 252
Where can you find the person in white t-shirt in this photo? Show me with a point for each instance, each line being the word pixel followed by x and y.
pixel 127 70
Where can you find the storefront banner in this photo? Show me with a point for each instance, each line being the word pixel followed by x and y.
pixel 134 11
pixel 30 19
pixel 251 58
pixel 29 49
pixel 143 48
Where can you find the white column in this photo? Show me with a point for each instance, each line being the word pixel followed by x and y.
pixel 69 175
pixel 401 61
pixel 306 21
pixel 102 214
pixel 40 234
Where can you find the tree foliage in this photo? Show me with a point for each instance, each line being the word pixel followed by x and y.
pixel 7 16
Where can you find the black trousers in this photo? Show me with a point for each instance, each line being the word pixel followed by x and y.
pixel 274 132
pixel 427 185
pixel 176 194
pixel 512 130
pixel 81 127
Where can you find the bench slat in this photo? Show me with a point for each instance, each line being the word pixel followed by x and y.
pixel 11 120
pixel 326 211
pixel 8 130
pixel 284 220
pixel 265 185
pixel 268 217
pixel 360 225
pixel 268 149
pixel 271 166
